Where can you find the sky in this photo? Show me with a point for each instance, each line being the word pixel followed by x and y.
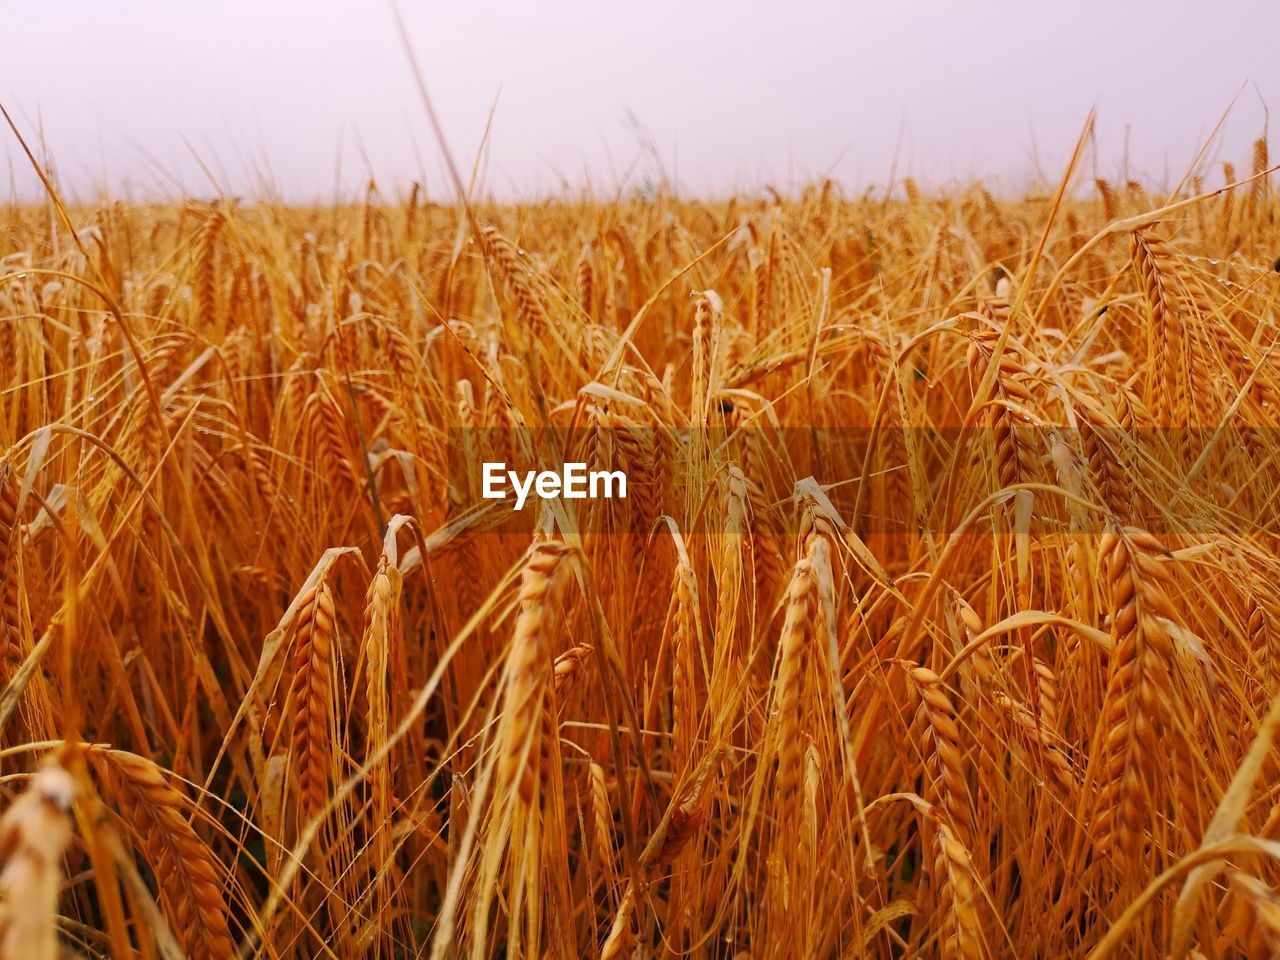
pixel 308 99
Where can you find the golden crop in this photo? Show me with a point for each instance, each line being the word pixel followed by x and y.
pixel 941 618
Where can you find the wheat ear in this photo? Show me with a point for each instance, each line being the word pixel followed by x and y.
pixel 190 879
pixel 34 833
pixel 527 670
pixel 315 633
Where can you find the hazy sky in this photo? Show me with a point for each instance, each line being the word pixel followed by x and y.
pixel 138 94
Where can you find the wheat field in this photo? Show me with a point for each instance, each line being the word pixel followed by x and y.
pixel 941 618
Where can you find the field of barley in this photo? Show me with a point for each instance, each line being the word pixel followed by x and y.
pixel 941 619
